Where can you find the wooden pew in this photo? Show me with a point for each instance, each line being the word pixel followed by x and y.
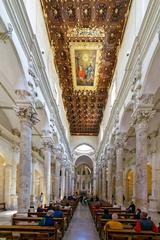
pixel 121 214
pixel 127 222
pixel 3 206
pixel 39 231
pixel 34 221
pixel 67 214
pixel 130 234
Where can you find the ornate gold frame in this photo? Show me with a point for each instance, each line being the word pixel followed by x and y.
pixel 85 46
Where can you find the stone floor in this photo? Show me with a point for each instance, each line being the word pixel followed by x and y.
pixel 5 217
pixel 82 226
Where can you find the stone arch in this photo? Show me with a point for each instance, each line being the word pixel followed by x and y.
pixel 87 144
pixel 84 160
pixel 125 120
pixel 151 80
pixel 11 70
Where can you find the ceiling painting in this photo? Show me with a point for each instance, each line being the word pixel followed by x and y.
pixel 85 61
pixel 85 36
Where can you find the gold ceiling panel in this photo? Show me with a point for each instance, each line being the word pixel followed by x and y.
pixel 85 36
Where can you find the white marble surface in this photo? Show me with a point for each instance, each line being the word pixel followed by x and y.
pixel 5 217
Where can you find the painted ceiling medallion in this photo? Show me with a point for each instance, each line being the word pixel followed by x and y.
pixel 85 61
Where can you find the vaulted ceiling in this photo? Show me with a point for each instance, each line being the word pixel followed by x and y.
pixel 85 36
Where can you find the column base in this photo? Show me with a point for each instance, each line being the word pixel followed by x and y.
pixel 152 209
pixel 32 200
pixel 13 204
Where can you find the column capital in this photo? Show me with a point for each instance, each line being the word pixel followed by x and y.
pixel 27 113
pixel 143 112
pixel 120 139
pixel 47 140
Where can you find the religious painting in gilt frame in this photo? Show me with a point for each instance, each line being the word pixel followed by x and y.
pixel 85 61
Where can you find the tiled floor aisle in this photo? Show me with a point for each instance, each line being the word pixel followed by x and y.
pixel 82 226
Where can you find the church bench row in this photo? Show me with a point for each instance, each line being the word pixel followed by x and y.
pixel 2 206
pixel 30 221
pixel 128 223
pixel 121 214
pixel 67 214
pixel 18 232
pixel 130 234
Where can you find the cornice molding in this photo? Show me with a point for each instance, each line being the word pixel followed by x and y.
pixel 21 24
pixel 148 30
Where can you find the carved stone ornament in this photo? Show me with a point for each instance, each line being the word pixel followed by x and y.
pixel 27 112
pixel 120 140
pixel 142 115
pixel 110 153
pixel 4 36
pixel 23 95
pixel 47 142
pixel 31 71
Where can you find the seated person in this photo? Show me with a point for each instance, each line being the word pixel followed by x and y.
pixel 58 213
pixel 106 214
pixel 145 224
pixel 67 206
pixel 50 207
pixel 48 219
pixel 131 208
pixel 114 223
pixel 40 208
pixel 138 214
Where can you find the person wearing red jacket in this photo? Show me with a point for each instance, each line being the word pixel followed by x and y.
pixel 145 224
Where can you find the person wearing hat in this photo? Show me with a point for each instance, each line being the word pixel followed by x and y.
pixel 145 224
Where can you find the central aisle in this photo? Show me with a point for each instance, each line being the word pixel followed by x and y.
pixel 81 226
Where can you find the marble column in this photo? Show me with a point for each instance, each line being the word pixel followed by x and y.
pixel 97 180
pixel 109 188
pixel 153 199
pixel 104 182
pixel 100 183
pixel 33 181
pixel 7 186
pixel 57 180
pixel 62 181
pixel 28 117
pixel 94 180
pixel 14 178
pixel 47 143
pixel 41 182
pixel 66 183
pixel 141 117
pixel 120 137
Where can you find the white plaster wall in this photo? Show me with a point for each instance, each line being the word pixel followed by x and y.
pixel 35 14
pixel 136 16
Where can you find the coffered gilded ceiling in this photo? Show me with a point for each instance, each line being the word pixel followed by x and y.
pixel 85 36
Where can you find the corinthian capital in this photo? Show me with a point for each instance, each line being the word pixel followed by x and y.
pixel 24 107
pixel 47 140
pixel 142 116
pixel 27 112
